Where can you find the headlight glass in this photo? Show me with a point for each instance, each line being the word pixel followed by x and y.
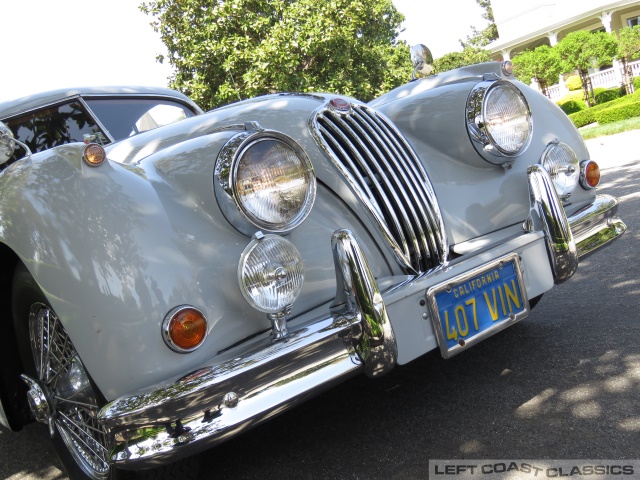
pixel 498 120
pixel 270 273
pixel 273 183
pixel 561 162
pixel 506 117
pixel 265 182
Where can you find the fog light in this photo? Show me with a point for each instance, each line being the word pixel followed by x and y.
pixel 561 162
pixel 589 174
pixel 270 273
pixel 184 329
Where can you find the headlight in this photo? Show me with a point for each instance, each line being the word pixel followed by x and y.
pixel 561 162
pixel 270 273
pixel 498 120
pixel 264 181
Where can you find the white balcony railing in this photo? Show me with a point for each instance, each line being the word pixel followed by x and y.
pixel 608 78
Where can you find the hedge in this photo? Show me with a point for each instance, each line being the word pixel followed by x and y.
pixel 636 83
pixel 583 117
pixel 604 95
pixel 618 112
pixel 572 102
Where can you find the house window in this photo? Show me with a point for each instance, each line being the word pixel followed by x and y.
pixel 633 21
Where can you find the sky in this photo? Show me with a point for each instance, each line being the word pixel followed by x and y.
pixel 55 44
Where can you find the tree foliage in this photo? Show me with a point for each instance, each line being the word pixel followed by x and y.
pixel 482 38
pixel 628 50
pixel 225 50
pixel 469 56
pixel 582 50
pixel 541 64
pixel 629 43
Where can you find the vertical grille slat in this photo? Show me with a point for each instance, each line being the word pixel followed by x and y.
pixel 381 158
pixel 418 177
pixel 376 197
pixel 385 174
pixel 410 188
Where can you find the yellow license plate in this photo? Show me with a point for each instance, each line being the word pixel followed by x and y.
pixel 474 305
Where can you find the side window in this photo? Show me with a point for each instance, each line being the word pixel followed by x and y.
pixel 53 126
pixel 125 117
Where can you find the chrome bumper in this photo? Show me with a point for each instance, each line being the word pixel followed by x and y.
pixel 569 239
pixel 215 403
pixel 218 402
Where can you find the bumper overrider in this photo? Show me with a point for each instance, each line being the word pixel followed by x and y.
pixel 213 404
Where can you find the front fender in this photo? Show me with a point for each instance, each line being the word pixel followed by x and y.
pixel 431 113
pixel 115 248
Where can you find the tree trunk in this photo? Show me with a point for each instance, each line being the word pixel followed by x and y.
pixel 587 88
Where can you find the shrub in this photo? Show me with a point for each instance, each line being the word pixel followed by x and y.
pixel 583 117
pixel 607 95
pixel 618 112
pixel 572 103
pixel 636 83
pixel 572 106
pixel 573 82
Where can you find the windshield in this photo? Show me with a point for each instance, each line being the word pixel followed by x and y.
pixel 124 117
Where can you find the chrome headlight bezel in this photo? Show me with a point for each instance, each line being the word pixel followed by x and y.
pixel 227 193
pixel 480 129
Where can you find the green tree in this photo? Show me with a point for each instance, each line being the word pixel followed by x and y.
pixel 541 64
pixel 628 50
pixel 225 50
pixel 482 38
pixel 582 50
pixel 469 56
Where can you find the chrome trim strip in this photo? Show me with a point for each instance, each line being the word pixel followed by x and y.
pixel 219 401
pixel 596 225
pixel 546 214
pixel 96 119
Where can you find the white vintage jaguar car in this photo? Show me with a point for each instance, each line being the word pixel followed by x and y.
pixel 169 284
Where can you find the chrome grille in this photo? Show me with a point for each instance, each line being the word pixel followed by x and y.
pixel 384 172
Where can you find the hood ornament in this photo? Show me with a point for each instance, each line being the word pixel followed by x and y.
pixel 340 105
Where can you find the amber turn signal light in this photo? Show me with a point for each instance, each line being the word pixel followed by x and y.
pixel 94 155
pixel 184 329
pixel 589 174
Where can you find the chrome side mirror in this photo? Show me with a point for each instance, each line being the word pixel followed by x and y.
pixel 8 144
pixel 422 61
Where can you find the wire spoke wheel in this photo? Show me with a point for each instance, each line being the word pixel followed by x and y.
pixel 64 380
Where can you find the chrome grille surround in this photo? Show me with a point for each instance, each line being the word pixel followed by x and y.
pixel 385 173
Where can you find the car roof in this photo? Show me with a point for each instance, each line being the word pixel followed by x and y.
pixel 14 107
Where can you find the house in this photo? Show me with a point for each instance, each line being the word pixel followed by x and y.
pixel 527 25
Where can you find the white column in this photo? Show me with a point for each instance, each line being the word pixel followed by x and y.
pixel 563 86
pixel 553 38
pixel 534 84
pixel 606 21
pixel 506 55
pixel 617 71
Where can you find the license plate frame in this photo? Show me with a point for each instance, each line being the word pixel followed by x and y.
pixel 477 282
